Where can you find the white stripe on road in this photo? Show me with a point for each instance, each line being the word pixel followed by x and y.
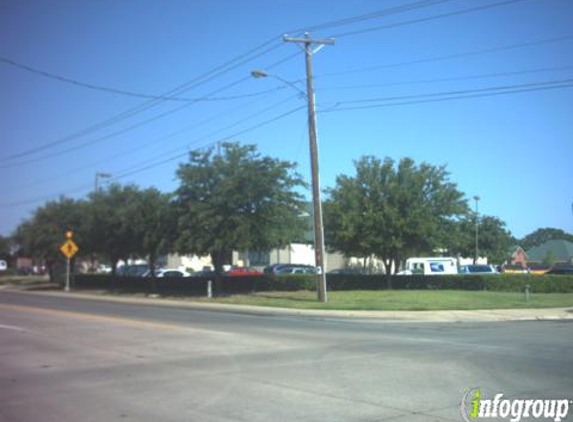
pixel 12 327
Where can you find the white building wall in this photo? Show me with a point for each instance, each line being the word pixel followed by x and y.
pixel 301 254
pixel 482 260
pixel 193 262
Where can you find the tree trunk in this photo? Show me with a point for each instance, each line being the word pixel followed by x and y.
pixel 396 261
pixel 113 261
pixel 218 259
pixel 152 260
pixel 388 268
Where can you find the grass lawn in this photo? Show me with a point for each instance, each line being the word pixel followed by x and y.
pixel 23 279
pixel 406 300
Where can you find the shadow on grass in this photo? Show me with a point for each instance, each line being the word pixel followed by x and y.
pixel 286 298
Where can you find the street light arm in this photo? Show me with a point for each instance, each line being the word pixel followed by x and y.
pixel 259 73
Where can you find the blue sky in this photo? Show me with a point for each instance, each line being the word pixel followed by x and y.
pixel 512 149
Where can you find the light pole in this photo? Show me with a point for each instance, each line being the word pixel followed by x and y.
pixel 317 205
pixel 477 198
pixel 100 176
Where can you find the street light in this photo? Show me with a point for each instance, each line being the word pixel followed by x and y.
pixel 259 73
pixel 101 176
pixel 477 198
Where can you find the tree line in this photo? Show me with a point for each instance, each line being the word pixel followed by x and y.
pixel 237 199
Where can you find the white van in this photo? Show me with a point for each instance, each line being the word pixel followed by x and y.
pixel 431 266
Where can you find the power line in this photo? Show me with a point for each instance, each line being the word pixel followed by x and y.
pixel 204 78
pixel 124 174
pixel 241 132
pixel 134 126
pixel 372 15
pixel 121 91
pixel 245 119
pixel 449 56
pixel 426 19
pixel 112 90
pixel 226 67
pixel 154 142
pixel 449 79
pixel 451 95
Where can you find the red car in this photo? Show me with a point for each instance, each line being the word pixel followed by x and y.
pixel 243 271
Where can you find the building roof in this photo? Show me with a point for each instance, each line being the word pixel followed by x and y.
pixel 514 249
pixel 562 251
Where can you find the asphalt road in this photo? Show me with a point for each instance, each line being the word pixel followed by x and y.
pixel 71 359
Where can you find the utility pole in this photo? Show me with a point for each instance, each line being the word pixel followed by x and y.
pixel 477 198
pixel 318 227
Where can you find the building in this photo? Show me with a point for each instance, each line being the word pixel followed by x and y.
pixel 553 251
pixel 518 256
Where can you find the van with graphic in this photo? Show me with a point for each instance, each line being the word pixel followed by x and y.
pixel 431 266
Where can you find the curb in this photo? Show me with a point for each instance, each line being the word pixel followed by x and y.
pixel 490 315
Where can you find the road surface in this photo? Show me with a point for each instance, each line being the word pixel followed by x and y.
pixel 70 359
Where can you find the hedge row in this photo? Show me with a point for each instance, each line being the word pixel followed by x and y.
pixel 249 284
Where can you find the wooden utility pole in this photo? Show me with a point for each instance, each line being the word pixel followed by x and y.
pixel 318 227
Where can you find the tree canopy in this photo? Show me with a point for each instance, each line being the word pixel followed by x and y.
pixel 42 234
pixel 236 200
pixel 391 210
pixel 5 247
pixel 541 236
pixel 494 240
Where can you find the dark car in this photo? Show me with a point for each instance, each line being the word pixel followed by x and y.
pixel 137 270
pixel 346 271
pixel 477 269
pixel 290 269
pixel 561 269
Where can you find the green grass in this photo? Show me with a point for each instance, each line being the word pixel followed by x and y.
pixel 23 279
pixel 410 300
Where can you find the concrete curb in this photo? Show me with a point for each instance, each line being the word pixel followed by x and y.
pixel 490 315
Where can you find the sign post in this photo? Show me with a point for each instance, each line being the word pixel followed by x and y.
pixel 69 249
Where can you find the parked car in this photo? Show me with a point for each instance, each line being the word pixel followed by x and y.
pixel 477 269
pixel 243 271
pixel 168 273
pixel 514 269
pixel 137 270
pixel 561 269
pixel 539 269
pixel 290 269
pixel 353 270
pixel 430 266
pixel 296 269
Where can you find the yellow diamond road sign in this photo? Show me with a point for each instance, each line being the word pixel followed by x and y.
pixel 69 248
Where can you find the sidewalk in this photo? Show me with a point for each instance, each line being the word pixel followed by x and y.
pixel 490 315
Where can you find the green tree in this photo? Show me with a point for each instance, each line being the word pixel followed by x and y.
pixel 541 236
pixel 549 258
pixel 111 217
pixel 5 246
pixel 494 240
pixel 236 200
pixel 6 250
pixel 155 224
pixel 42 235
pixel 391 210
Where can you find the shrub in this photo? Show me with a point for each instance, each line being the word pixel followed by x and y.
pixel 292 282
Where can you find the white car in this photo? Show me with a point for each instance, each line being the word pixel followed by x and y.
pixel 168 273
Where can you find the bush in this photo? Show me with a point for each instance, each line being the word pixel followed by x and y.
pixel 292 282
